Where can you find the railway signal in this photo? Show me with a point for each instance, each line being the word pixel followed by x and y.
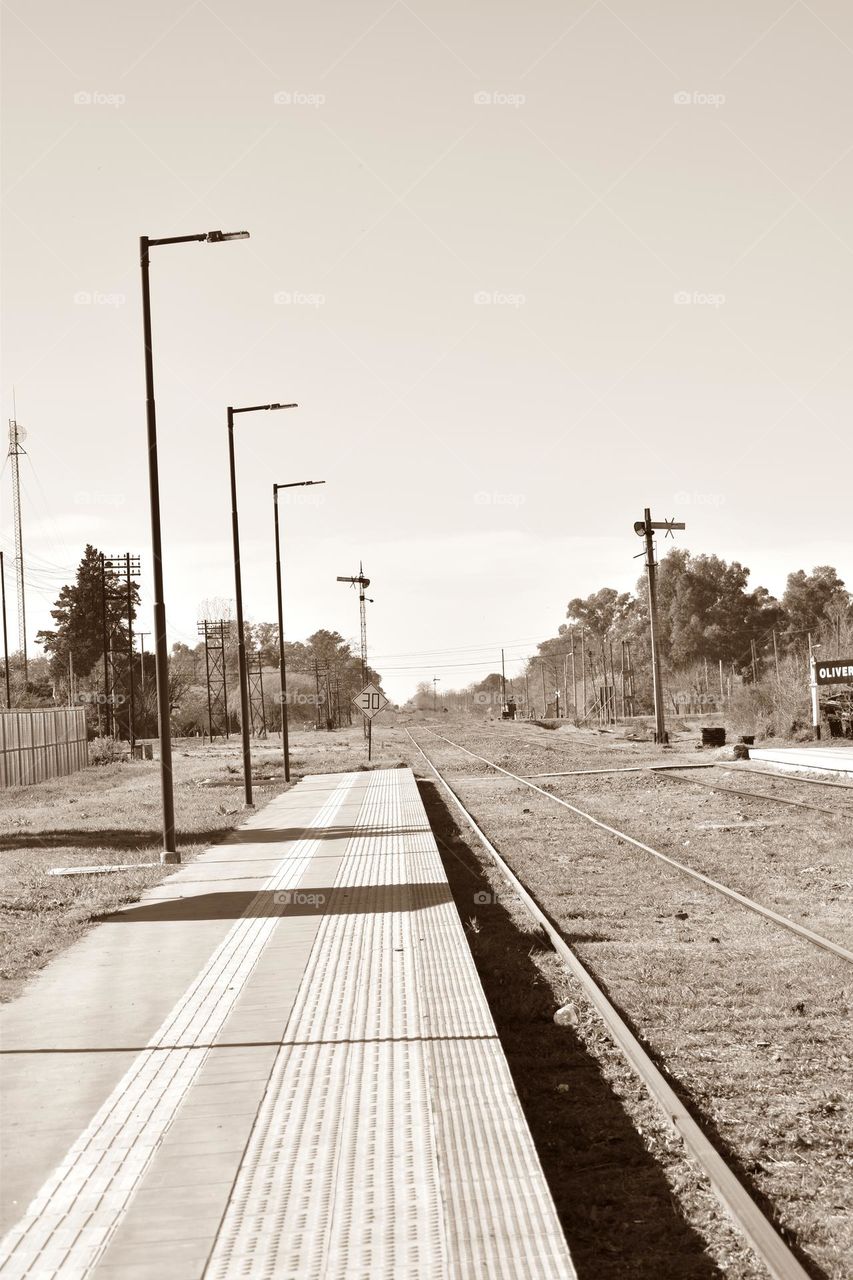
pixel 645 528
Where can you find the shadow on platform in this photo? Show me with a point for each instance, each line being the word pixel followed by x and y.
pixel 286 903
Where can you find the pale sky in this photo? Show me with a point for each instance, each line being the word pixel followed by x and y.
pixel 526 268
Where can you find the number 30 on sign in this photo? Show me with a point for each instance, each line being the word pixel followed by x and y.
pixel 370 701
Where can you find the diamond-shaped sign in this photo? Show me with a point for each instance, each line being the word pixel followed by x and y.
pixel 370 701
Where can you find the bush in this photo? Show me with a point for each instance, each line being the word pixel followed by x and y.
pixel 107 750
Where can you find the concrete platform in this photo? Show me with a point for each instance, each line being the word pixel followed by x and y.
pixel 835 761
pixel 280 1063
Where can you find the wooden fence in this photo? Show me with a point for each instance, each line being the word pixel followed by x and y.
pixel 41 743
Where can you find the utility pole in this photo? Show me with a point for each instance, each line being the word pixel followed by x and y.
pixel 574 677
pixel 503 681
pixel 282 665
pixel 544 694
pixel 813 689
pixel 5 633
pixel 435 681
pixel 776 661
pixel 108 720
pixel 245 712
pixel 583 670
pixel 131 565
pixel 645 529
pixel 17 435
pixel 362 583
pixel 169 853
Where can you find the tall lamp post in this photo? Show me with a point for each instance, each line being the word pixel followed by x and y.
pixel 169 852
pixel 282 669
pixel 245 727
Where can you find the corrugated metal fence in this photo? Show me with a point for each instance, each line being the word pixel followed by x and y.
pixel 41 742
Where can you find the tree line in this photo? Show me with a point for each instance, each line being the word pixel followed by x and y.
pixel 715 633
pixel 94 616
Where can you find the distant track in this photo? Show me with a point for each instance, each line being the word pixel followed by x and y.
pixel 787 777
pixel 762 1235
pixel 711 764
pixel 799 930
pixel 759 795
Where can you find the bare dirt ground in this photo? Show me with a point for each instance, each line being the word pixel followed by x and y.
pixel 111 814
pixel 750 1023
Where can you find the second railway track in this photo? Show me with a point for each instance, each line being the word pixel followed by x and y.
pixel 792 926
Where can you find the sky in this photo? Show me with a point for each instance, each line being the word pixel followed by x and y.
pixel 526 269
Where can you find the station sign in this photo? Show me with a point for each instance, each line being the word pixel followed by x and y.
pixel 834 671
pixel 370 701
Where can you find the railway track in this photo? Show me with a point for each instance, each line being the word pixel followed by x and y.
pixel 670 770
pixel 771 1249
pixel 792 926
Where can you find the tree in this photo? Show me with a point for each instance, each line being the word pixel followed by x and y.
pixel 705 610
pixel 78 615
pixel 600 612
pixel 811 599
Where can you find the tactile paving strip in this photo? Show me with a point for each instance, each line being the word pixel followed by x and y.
pixel 391 1142
pixel 69 1223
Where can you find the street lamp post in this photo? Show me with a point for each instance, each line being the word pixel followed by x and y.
pixel 245 727
pixel 169 852
pixel 282 669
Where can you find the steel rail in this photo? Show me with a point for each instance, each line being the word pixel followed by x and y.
pixel 800 930
pixel 759 795
pixel 786 776
pixel 759 1231
pixel 625 768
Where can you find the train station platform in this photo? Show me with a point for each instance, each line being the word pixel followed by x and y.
pixel 279 1063
pixel 836 761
